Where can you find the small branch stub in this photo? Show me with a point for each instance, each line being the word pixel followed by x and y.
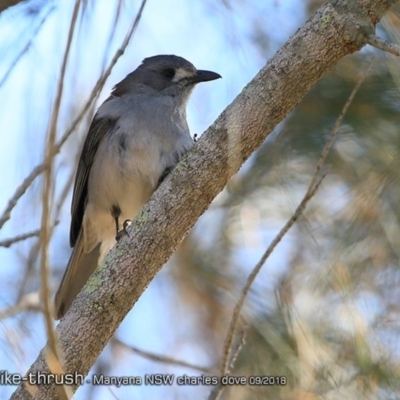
pixel 383 45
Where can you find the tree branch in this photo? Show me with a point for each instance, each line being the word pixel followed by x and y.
pixel 226 364
pixel 336 30
pixel 163 359
pixel 383 45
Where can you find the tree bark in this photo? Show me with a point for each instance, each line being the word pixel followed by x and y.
pixel 337 29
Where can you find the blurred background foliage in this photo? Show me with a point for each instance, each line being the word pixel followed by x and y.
pixel 324 311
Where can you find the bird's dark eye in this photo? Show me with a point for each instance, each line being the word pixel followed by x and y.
pixel 169 72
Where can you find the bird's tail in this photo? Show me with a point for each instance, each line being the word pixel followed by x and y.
pixel 80 266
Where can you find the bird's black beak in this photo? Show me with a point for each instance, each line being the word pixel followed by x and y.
pixel 204 76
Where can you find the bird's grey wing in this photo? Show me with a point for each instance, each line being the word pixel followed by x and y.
pixel 98 129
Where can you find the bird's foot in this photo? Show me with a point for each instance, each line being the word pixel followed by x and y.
pixel 123 232
pixel 166 172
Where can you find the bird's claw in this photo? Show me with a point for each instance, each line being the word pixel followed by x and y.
pixel 123 232
pixel 166 172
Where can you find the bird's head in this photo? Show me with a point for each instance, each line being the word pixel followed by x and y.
pixel 169 74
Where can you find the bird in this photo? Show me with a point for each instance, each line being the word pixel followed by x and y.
pixel 135 139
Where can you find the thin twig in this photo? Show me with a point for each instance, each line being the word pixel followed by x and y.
pixel 236 350
pixel 115 24
pixel 22 236
pixel 100 83
pixel 28 302
pixel 19 238
pixel 312 188
pixel 25 48
pixel 216 393
pixel 383 45
pixel 162 359
pixel 36 171
pixel 52 355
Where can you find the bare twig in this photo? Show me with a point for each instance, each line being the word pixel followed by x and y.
pixel 383 45
pixel 23 236
pixel 100 82
pixel 162 359
pixel 236 350
pixel 216 393
pixel 45 234
pixel 36 171
pixel 30 301
pixel 25 48
pixel 118 13
pixel 312 188
pixel 19 238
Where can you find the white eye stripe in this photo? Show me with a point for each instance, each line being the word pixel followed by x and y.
pixel 181 73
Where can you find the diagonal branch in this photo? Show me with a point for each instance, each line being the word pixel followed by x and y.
pixel 312 188
pixel 162 359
